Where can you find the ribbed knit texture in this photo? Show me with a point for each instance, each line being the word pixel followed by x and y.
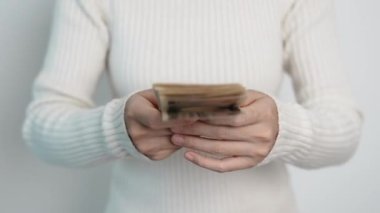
pixel 141 42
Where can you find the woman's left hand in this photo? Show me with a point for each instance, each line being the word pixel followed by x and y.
pixel 245 138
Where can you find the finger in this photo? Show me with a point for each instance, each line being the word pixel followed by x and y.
pixel 138 131
pixel 150 117
pixel 154 145
pixel 228 148
pixel 152 98
pixel 220 165
pixel 246 116
pixel 213 131
pixel 264 133
pixel 249 112
pixel 161 155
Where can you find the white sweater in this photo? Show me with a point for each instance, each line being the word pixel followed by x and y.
pixel 141 42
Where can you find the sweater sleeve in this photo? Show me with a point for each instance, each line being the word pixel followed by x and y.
pixel 62 125
pixel 323 127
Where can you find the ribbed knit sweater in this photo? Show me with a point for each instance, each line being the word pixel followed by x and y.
pixel 140 42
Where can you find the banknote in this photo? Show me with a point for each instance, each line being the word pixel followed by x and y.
pixel 201 100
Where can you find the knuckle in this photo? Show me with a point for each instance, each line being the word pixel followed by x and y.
pixel 251 163
pixel 254 163
pixel 142 147
pixel 160 155
pixel 154 149
pixel 156 157
pixel 238 120
pixel 252 152
pixel 129 115
pixel 135 133
pixel 262 153
pixel 148 148
pixel 266 152
pixel 221 168
pixel 266 134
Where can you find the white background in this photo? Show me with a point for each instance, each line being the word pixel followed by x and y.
pixel 29 185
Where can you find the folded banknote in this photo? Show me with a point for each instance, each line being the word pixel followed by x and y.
pixel 201 100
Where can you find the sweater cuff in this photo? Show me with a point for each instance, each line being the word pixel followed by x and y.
pixel 115 132
pixel 294 139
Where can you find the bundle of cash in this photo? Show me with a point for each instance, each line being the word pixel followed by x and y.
pixel 190 100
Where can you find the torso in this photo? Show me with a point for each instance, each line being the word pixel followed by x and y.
pixel 196 41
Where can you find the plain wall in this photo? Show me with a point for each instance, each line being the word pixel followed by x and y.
pixel 29 185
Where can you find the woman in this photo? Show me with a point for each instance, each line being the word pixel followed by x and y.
pixel 141 42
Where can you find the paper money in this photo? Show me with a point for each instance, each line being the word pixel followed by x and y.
pixel 201 100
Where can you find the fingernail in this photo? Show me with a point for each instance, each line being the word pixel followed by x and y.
pixel 178 139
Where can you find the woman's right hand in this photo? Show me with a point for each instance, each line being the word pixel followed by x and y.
pixel 149 134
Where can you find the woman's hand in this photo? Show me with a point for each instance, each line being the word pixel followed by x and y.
pixel 149 134
pixel 245 138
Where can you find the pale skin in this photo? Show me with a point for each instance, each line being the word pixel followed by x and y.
pixel 244 139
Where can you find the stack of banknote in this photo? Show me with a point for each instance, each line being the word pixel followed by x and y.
pixel 200 100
